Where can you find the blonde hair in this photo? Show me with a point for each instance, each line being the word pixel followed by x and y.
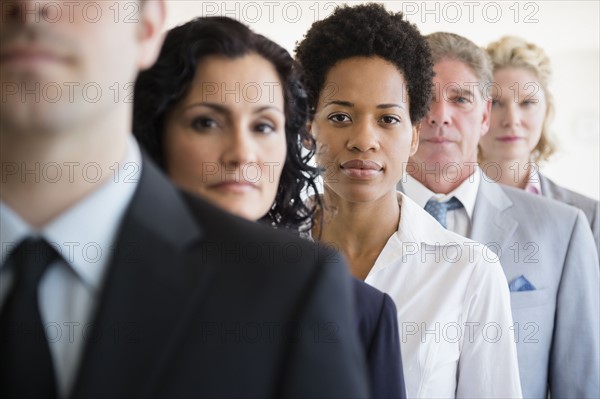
pixel 446 45
pixel 515 52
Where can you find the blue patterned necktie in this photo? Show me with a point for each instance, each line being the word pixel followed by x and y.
pixel 439 209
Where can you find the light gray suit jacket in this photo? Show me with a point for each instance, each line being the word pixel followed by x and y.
pixel 557 324
pixel 589 206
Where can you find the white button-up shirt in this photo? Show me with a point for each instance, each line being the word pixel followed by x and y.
pixel 454 312
pixel 84 235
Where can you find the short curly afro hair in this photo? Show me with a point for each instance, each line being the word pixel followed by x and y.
pixel 368 31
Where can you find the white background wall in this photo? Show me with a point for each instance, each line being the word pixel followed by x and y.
pixel 568 30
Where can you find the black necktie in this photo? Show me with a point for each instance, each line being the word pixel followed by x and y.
pixel 26 369
pixel 439 209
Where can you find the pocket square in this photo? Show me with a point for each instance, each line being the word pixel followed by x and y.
pixel 520 284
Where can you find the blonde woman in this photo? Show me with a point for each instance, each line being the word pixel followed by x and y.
pixel 522 111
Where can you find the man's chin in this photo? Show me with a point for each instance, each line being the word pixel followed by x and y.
pixel 33 119
pixel 433 161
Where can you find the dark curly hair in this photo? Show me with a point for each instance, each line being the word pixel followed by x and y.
pixel 368 31
pixel 162 86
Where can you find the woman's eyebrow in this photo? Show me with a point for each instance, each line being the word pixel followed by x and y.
pixel 339 102
pixel 217 107
pixel 383 106
pixel 267 108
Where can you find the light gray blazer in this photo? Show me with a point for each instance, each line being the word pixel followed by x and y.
pixel 557 324
pixel 589 206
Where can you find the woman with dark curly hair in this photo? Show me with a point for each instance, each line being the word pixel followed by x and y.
pixel 213 79
pixel 369 78
pixel 224 113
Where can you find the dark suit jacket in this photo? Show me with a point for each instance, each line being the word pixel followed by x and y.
pixel 198 303
pixel 378 331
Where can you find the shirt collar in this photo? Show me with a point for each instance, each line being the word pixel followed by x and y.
pixel 407 231
pixel 466 193
pixel 85 233
pixel 415 229
pixel 533 181
pixel 13 230
pixel 417 226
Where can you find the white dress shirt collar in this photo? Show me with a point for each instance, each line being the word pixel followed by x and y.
pixel 428 231
pixel 416 229
pixel 85 233
pixel 466 193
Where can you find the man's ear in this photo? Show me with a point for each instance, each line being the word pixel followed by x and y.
pixel 414 144
pixel 487 114
pixel 149 35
